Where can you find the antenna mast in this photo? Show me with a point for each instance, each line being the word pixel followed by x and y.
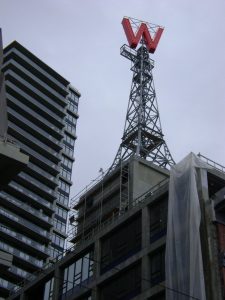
pixel 142 134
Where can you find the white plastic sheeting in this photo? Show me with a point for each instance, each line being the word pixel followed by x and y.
pixel 184 267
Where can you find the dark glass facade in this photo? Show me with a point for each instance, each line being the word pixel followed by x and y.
pixel 77 275
pixel 42 112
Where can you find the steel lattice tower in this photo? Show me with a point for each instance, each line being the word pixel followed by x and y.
pixel 142 135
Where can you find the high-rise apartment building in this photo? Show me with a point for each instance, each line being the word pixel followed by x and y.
pixel 42 111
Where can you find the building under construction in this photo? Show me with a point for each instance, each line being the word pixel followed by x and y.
pixel 121 255
pixel 147 228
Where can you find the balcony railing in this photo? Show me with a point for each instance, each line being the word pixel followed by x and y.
pixel 22 238
pixel 30 194
pixel 48 101
pixel 35 115
pixel 40 84
pixel 42 147
pixel 26 207
pixel 42 173
pixel 44 188
pixel 25 223
pixel 21 255
pixel 36 67
pixel 31 99
pixel 47 137
pixel 212 163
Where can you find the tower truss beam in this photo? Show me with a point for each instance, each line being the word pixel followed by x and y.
pixel 142 134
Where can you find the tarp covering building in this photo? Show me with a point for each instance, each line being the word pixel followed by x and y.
pixel 184 265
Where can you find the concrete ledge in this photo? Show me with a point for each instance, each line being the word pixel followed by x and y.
pixel 5 260
pixel 12 161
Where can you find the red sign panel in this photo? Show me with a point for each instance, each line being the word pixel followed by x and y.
pixel 133 40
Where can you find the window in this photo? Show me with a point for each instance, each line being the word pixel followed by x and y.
pixel 78 273
pixel 64 186
pixel 61 212
pixel 48 291
pixel 58 240
pixel 61 226
pixel 121 244
pixel 63 198
pixel 157 266
pixel 69 140
pixel 68 149
pixel 73 97
pixel 67 162
pixel 72 105
pixel 54 252
pixel 126 285
pixel 158 219
pixel 65 173
pixel 70 126
pixel 71 118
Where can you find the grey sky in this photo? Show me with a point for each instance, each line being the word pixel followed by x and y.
pixel 81 40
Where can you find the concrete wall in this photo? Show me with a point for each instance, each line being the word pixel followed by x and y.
pixel 144 177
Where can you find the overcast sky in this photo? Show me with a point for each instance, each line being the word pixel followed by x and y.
pixel 81 40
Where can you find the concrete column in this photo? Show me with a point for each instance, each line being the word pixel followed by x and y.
pixel 145 262
pixel 23 296
pixel 58 278
pixel 95 295
pixel 208 240
pixel 145 230
pixel 97 268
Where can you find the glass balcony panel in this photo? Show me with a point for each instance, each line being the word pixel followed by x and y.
pixel 24 222
pixel 47 100
pixel 26 207
pixel 38 156
pixel 38 81
pixel 30 194
pixel 25 239
pixel 43 173
pixel 38 184
pixel 39 145
pixel 35 115
pixel 32 100
pixel 36 129
pixel 20 254
pixel 37 67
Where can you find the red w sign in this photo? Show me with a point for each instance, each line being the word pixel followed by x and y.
pixel 133 40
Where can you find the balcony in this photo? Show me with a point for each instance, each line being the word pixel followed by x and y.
pixel 36 144
pixel 30 245
pixel 39 188
pixel 26 210
pixel 37 158
pixel 5 284
pixel 27 195
pixel 32 114
pixel 25 225
pixel 20 274
pixel 36 93
pixel 31 102
pixel 35 81
pixel 26 61
pixel 42 175
pixel 26 258
pixel 33 129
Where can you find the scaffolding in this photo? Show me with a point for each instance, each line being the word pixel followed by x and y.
pixel 111 201
pixel 104 198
